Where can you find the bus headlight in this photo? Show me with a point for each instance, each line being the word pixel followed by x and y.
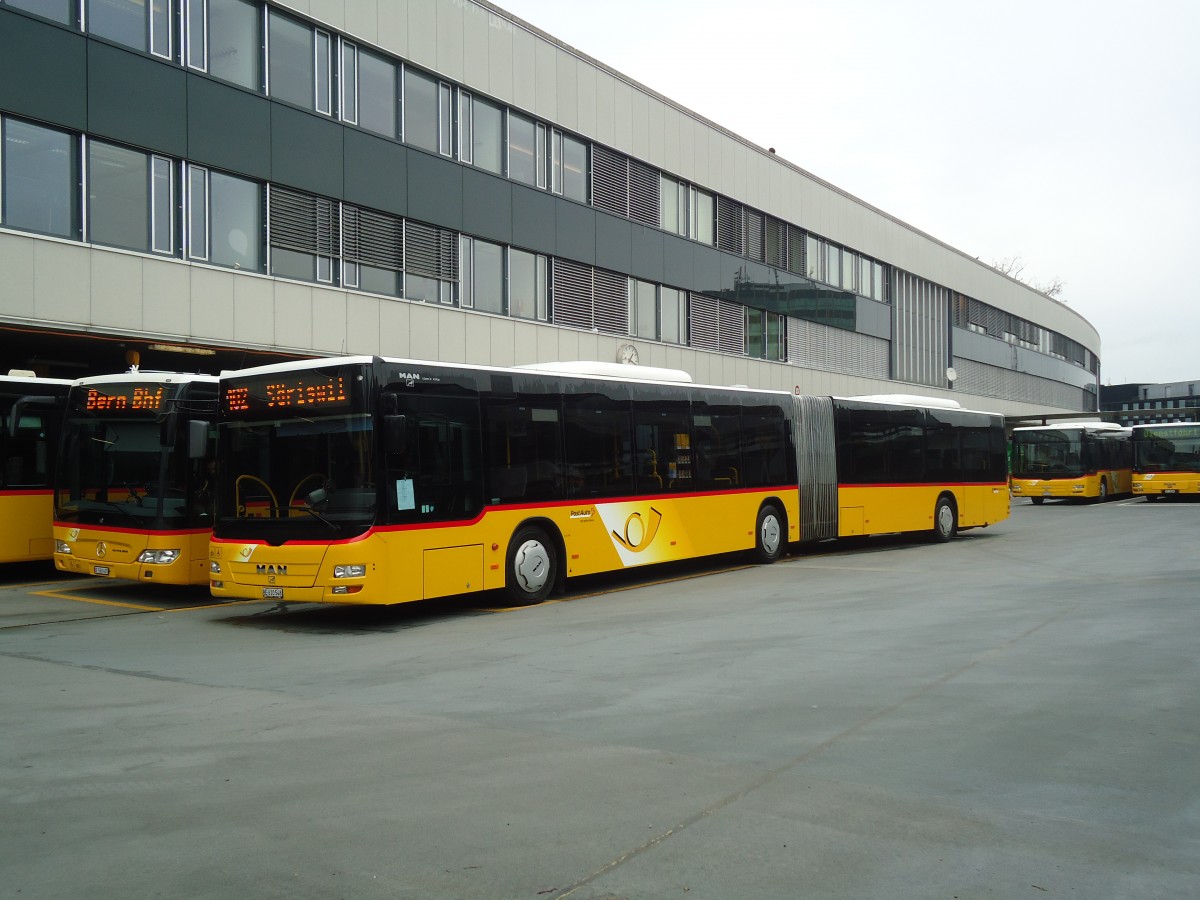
pixel 1077 488
pixel 214 567
pixel 349 571
pixel 158 557
pixel 62 547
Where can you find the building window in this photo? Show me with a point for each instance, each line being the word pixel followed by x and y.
pixel 814 256
pixel 38 179
pixel 145 25
pixel 672 316
pixel 421 111
pixel 305 235
pixel 481 284
pixel 571 166
pixel 224 216
pixel 522 149
pixel 527 285
pixel 369 97
pixel 130 199
pixel 487 136
pixel 300 64
pixel 56 10
pixel 643 309
pixel 223 39
pixel 466 133
pixel 672 205
pixel 703 212
pixel 833 265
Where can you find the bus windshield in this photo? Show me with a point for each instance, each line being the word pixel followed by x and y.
pixel 1049 453
pixel 118 471
pixel 1167 449
pixel 300 478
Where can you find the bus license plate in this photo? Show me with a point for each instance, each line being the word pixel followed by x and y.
pixel 100 570
pixel 1171 491
pixel 272 593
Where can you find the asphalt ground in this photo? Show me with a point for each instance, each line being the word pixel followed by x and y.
pixel 1014 714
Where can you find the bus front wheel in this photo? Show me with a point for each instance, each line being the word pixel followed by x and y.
pixel 1038 501
pixel 769 530
pixel 945 520
pixel 532 566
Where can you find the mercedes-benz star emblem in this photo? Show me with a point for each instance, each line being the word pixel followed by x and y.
pixel 101 549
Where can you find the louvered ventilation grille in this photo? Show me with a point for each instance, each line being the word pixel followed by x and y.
pixel 373 238
pixel 797 251
pixel 643 194
pixel 775 249
pixel 572 294
pixel 304 222
pixel 827 349
pixel 754 236
pixel 430 251
pixel 729 225
pixel 732 328
pixel 610 302
pixel 992 381
pixel 703 315
pixel 610 182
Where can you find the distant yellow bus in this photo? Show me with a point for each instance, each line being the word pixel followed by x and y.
pixel 31 410
pixel 1166 460
pixel 363 480
pixel 134 487
pixel 1072 461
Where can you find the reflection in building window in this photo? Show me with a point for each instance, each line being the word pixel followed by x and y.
pixel 702 217
pixel 139 24
pixel 56 10
pixel 643 309
pixel 672 315
pixel 481 276
pixel 522 158
pixel 126 188
pixel 574 169
pixel 527 285
pixel 369 96
pixel 224 40
pixel 487 141
pixel 224 219
pixel 421 110
pixel 299 63
pixel 38 179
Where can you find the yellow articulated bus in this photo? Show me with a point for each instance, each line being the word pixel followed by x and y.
pixel 1075 461
pixel 365 480
pixel 135 484
pixel 1166 460
pixel 31 410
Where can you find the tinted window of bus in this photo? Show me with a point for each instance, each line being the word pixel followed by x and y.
pixel 766 447
pixel 662 444
pixel 716 441
pixel 523 448
pixel 433 473
pixel 599 443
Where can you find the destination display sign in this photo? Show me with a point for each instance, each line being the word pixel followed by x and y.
pixel 285 391
pixel 1179 433
pixel 125 398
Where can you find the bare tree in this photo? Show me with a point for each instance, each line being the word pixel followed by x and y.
pixel 1014 266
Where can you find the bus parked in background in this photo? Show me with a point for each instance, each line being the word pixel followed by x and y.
pixel 1079 460
pixel 1166 459
pixel 133 493
pixel 31 410
pixel 364 480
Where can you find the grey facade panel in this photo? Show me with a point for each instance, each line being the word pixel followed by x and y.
pixel 487 208
pixel 534 214
pixel 873 318
pixel 136 100
pixel 376 172
pixel 43 71
pixel 435 190
pixel 306 151
pixel 1049 367
pixel 649 258
pixel 614 243
pixel 577 233
pixel 215 112
pixel 984 349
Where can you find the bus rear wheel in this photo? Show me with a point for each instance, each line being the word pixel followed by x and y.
pixel 768 535
pixel 945 520
pixel 531 568
pixel 1038 501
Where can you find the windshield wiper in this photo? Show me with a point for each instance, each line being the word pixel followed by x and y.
pixel 316 515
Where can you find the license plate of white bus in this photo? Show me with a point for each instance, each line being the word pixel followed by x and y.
pixel 100 570
pixel 272 593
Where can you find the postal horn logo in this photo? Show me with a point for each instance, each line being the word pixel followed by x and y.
pixel 638 532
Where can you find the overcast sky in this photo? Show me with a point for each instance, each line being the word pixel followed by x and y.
pixel 1065 133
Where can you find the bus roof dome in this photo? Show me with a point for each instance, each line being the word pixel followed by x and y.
pixel 610 370
pixel 910 400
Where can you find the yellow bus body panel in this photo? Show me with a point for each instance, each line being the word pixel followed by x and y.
pixel 413 563
pixel 1166 483
pixel 1119 481
pixel 26 519
pixel 113 553
pixel 887 509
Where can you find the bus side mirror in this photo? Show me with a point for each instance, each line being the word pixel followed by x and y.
pixel 197 439
pixel 395 433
